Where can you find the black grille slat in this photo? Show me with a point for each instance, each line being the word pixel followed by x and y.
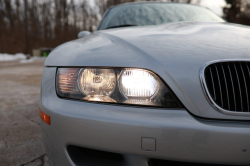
pixel 238 81
pixel 223 88
pixel 235 106
pixel 212 83
pixel 216 81
pixel 247 76
pixel 228 83
pixel 224 76
pixel 245 89
pixel 230 89
pixel 218 77
pixel 235 87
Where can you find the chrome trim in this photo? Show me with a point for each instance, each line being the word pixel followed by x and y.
pixel 205 88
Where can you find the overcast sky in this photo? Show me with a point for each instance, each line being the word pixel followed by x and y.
pixel 214 5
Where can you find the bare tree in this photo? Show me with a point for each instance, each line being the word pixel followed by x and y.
pixel 52 22
pixel 237 11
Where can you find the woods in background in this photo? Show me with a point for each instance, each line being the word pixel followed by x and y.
pixel 53 22
pixel 50 23
pixel 237 11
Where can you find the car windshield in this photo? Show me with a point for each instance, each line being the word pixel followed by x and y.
pixel 141 14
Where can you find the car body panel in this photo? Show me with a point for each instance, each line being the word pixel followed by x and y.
pixel 116 128
pixel 174 51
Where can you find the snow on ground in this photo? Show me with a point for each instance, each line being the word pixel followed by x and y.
pixel 10 57
pixel 18 56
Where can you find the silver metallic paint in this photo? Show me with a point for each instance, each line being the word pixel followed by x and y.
pixel 83 34
pixel 175 51
pixel 179 136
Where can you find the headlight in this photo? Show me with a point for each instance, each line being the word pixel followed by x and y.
pixel 138 83
pixel 119 85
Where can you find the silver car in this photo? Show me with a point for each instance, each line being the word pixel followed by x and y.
pixel 157 84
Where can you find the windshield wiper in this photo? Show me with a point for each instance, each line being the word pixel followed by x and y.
pixel 118 26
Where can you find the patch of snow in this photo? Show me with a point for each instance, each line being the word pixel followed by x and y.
pixel 10 57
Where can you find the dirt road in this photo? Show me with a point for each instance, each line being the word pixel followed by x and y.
pixel 20 133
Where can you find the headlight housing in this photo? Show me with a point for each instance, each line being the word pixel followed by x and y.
pixel 114 85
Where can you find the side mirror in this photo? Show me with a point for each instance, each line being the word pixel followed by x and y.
pixel 83 34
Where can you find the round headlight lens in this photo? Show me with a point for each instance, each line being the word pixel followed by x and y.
pixel 138 83
pixel 97 82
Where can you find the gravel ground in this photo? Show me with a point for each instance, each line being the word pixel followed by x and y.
pixel 20 133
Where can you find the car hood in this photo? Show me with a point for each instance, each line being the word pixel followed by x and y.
pixel 174 51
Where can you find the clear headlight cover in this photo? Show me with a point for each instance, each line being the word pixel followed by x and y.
pixel 138 83
pixel 119 85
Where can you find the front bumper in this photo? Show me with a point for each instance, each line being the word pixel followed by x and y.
pixel 120 129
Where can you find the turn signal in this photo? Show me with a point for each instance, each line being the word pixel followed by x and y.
pixel 44 117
